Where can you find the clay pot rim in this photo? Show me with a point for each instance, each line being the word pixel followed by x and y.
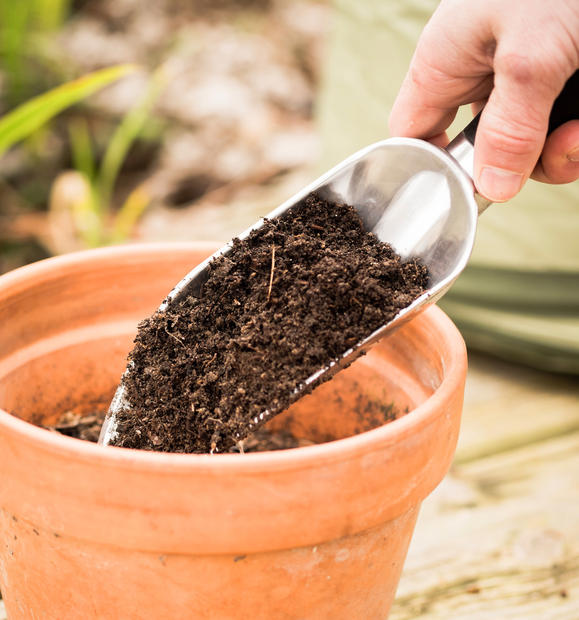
pixel 292 459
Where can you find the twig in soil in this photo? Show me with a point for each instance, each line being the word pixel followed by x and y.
pixel 210 361
pixel 240 446
pixel 173 336
pixel 271 272
pixel 213 444
pixel 216 420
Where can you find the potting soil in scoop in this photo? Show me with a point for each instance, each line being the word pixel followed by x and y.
pixel 287 300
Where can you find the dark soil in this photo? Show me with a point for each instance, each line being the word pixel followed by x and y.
pixel 88 428
pixel 263 439
pixel 294 295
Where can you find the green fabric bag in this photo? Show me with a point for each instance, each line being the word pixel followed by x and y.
pixel 519 297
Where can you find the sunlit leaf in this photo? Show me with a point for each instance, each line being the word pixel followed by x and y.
pixel 125 135
pixel 28 117
pixel 129 214
pixel 51 14
pixel 81 146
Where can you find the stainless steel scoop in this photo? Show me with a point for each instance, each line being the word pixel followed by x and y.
pixel 419 198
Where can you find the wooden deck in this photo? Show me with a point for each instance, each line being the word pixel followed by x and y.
pixel 499 538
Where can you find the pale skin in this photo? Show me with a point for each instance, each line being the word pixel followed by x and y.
pixel 513 57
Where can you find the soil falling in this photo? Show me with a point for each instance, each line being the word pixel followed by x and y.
pixel 282 304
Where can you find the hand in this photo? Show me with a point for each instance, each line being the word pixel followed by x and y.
pixel 513 57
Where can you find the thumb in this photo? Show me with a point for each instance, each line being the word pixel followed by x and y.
pixel 513 127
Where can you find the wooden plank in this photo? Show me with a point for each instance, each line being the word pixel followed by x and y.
pixel 507 406
pixel 499 539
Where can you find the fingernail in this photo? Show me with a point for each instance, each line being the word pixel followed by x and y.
pixel 573 155
pixel 499 185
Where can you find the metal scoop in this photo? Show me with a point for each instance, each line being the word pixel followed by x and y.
pixel 419 198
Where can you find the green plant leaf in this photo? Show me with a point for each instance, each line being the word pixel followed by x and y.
pixel 51 14
pixel 87 219
pixel 129 214
pixel 124 136
pixel 31 115
pixel 14 22
pixel 81 146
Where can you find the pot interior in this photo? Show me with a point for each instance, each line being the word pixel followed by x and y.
pixel 74 365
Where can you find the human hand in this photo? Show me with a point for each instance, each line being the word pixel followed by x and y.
pixel 512 57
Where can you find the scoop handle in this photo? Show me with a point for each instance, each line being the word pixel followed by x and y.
pixel 565 108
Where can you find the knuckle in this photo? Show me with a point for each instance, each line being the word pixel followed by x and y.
pixel 532 69
pixel 515 67
pixel 420 70
pixel 507 139
pixel 427 77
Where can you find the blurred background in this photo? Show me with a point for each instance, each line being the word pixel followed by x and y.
pixel 191 118
pixel 183 120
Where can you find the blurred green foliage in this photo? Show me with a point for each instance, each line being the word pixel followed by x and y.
pixel 30 119
pixel 95 219
pixel 27 30
pixel 27 118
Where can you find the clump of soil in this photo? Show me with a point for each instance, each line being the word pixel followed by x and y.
pixel 283 303
pixel 87 427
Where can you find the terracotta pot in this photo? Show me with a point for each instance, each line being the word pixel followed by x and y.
pixel 317 532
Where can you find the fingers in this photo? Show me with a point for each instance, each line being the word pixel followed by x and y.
pixel 447 70
pixel 428 99
pixel 513 125
pixel 516 56
pixel 440 139
pixel 559 161
pixel 477 106
pixel 419 112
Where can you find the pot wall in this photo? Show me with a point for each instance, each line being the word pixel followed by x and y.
pixel 111 533
pixel 64 578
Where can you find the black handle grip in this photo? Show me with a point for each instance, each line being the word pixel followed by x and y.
pixel 565 108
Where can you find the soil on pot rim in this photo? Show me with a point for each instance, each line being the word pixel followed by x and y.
pixel 285 301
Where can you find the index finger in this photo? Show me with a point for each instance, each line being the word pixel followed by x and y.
pixel 448 69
